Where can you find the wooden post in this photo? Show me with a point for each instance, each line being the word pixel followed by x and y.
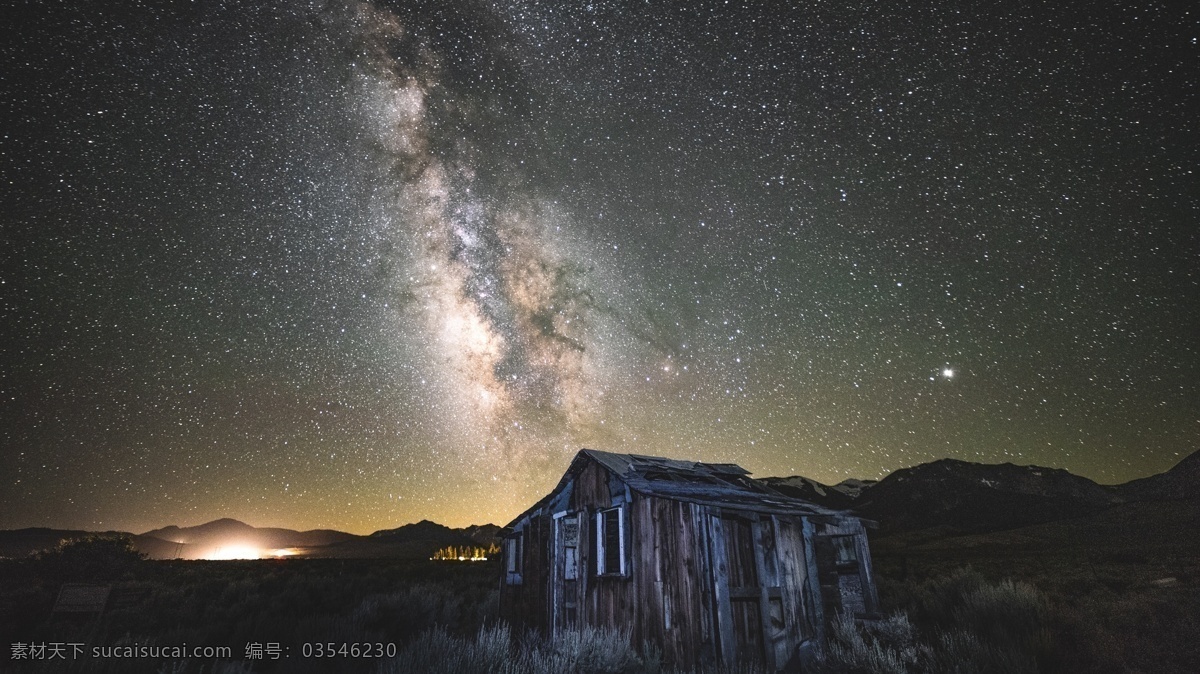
pixel 720 565
pixel 813 589
pixel 776 641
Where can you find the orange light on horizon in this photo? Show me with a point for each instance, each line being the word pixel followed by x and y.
pixel 239 551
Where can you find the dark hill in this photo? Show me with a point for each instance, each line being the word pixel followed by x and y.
pixel 973 497
pixel 1180 482
pixel 953 496
pixel 224 532
pixel 413 541
pixel 426 532
pixel 21 543
pixel 483 534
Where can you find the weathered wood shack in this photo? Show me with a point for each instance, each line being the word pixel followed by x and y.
pixel 697 558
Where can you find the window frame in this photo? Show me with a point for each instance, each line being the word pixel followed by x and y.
pixel 570 562
pixel 622 545
pixel 845 543
pixel 514 558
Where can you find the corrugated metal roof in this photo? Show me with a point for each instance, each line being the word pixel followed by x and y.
pixel 716 484
pixel 724 485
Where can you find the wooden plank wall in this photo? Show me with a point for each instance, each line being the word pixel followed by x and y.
pixel 671 574
pixel 603 601
pixel 592 490
pixel 810 588
pixel 871 593
pixel 779 640
pixel 527 605
pixel 726 643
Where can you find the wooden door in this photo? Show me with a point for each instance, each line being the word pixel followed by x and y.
pixel 750 613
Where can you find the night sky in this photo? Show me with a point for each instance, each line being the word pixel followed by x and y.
pixel 330 264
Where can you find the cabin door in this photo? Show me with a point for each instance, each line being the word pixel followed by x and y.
pixel 748 596
pixel 844 561
pixel 564 593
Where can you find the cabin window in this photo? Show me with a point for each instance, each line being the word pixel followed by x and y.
pixel 568 536
pixel 845 550
pixel 514 558
pixel 610 542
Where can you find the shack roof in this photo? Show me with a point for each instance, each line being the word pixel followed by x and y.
pixel 724 485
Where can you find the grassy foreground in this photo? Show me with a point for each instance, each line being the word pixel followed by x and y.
pixel 1091 595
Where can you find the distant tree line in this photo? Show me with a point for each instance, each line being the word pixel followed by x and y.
pixel 465 553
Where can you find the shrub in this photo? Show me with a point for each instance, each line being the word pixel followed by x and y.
pixel 1007 619
pixel 94 558
pixel 963 652
pixel 880 647
pixel 494 651
pixel 436 650
pixel 1006 613
pixel 587 651
pixel 970 626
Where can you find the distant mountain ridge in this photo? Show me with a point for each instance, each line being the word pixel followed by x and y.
pixel 475 534
pixel 979 497
pixel 974 497
pixel 220 532
pixel 229 537
pixel 1182 481
pixel 839 496
pixel 956 496
pixel 19 543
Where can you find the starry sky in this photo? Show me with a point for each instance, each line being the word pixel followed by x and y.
pixel 339 264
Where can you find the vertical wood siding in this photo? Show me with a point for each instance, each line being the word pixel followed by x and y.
pixel 528 604
pixel 671 579
pixel 703 583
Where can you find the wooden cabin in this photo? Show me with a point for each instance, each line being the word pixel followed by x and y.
pixel 697 558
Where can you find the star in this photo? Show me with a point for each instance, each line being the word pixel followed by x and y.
pixel 382 251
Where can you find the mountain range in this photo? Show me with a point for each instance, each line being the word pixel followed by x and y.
pixel 947 497
pixel 226 538
pixel 964 497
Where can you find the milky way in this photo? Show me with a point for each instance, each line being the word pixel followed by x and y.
pixel 350 265
pixel 488 277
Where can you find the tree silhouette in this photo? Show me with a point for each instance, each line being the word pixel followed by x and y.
pixel 91 558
